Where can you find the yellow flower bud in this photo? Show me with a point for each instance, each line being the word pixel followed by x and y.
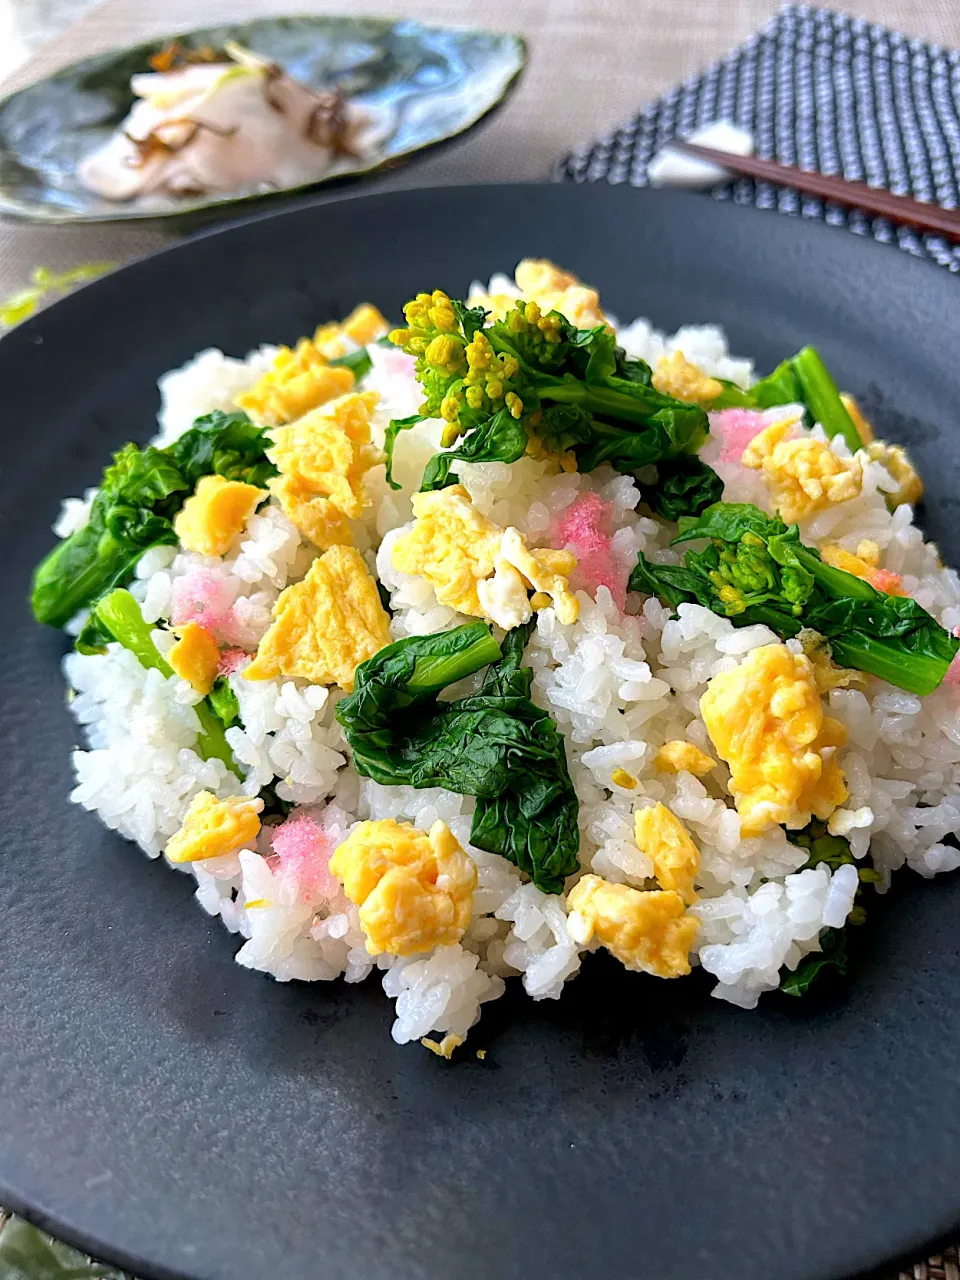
pixel 514 404
pixel 450 407
pixel 450 434
pixel 531 313
pixel 494 388
pixel 474 397
pixel 444 353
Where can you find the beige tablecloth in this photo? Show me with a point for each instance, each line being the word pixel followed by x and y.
pixel 592 63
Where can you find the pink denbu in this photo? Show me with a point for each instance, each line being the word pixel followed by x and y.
pixel 302 850
pixel 582 529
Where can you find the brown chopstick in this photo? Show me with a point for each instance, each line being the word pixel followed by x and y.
pixel 857 195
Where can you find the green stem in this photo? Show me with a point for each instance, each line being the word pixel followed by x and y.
pixel 822 398
pixel 358 362
pixel 119 614
pixel 915 673
pixel 430 675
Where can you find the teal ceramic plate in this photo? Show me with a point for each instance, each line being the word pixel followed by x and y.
pixel 427 84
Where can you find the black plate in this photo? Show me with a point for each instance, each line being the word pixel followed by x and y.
pixel 164 1107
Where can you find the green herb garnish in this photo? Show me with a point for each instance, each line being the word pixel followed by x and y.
pixel 756 570
pixel 118 617
pixel 528 374
pixel 495 744
pixel 141 492
pixel 803 379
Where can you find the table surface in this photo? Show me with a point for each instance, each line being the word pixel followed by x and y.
pixel 592 63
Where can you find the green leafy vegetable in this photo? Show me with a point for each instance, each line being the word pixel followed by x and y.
pixel 141 492
pixel 756 570
pixel 223 444
pixel 803 379
pixel 832 955
pixel 833 851
pixel 224 703
pixel 118 617
pixel 497 384
pixel 684 487
pixel 358 362
pixel 494 744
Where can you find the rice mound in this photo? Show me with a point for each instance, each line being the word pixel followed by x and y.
pixel 618 685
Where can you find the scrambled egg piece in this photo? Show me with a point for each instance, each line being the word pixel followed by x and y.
pixel 552 289
pixel 623 779
pixel 315 516
pixel 303 378
pixel 825 671
pixel 328 451
pixel 804 476
pixel 217 511
pixel 324 626
pixel 866 565
pixel 195 657
pixel 679 756
pixel 414 889
pixel 765 718
pixel 661 835
pixel 298 381
pixel 896 462
pixel 214 828
pixel 864 428
pixel 365 324
pixel 676 376
pixel 444 1048
pixel 647 931
pixel 478 568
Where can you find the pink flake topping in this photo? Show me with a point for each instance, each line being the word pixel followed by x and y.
pixel 302 850
pixel 735 428
pixel 886 580
pixel 231 660
pixel 582 529
pixel 203 596
pixel 395 362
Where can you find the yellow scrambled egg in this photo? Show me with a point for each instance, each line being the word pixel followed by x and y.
pixel 314 515
pixel 646 930
pixel 414 889
pixel 552 289
pixel 898 466
pixel 298 381
pixel 865 564
pixel 679 756
pixel 323 458
pixel 444 1048
pixel 825 671
pixel 478 568
pixel 665 840
pixel 302 378
pixel 324 626
pixel 214 828
pixel 215 514
pixel 195 656
pixel 803 475
pixel 766 719
pixel 676 376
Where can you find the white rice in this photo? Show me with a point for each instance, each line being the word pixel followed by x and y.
pixel 618 686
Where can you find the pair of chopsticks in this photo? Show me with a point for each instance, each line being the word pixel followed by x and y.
pixel 903 210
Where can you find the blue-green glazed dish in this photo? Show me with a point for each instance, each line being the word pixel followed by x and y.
pixel 429 84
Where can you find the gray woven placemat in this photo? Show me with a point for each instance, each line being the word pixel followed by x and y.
pixel 823 91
